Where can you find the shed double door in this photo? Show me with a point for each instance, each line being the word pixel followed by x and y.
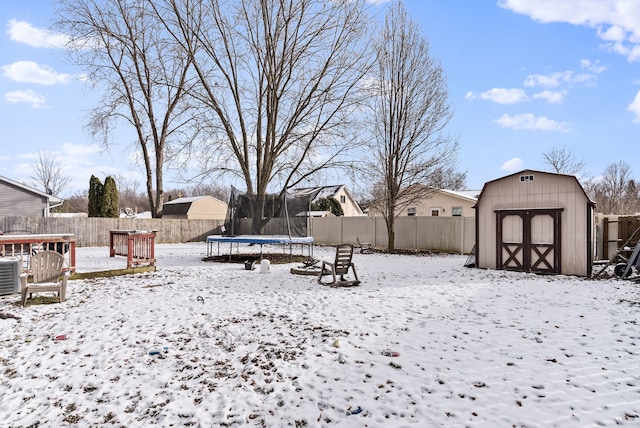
pixel 529 240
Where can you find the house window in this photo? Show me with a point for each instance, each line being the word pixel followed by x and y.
pixel 411 211
pixel 343 199
pixel 524 178
pixel 435 212
pixel 456 211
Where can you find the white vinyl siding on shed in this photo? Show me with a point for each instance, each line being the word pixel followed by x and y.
pixel 539 190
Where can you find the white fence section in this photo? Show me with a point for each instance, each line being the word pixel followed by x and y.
pixel 447 234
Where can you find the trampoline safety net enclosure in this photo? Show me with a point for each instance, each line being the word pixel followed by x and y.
pixel 283 214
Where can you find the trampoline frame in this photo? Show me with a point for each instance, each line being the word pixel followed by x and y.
pixel 259 240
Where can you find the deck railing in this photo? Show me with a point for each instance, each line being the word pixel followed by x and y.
pixel 138 246
pixel 24 246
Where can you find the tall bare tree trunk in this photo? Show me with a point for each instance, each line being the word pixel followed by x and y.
pixel 410 111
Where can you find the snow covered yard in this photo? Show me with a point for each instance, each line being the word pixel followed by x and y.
pixel 211 344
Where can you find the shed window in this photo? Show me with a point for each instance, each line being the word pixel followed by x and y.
pixel 524 178
pixel 411 211
pixel 456 211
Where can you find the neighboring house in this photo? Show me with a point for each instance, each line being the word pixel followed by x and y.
pixel 17 199
pixel 535 221
pixel 339 192
pixel 195 208
pixel 315 214
pixel 439 203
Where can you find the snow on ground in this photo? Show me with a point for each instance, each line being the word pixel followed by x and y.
pixel 476 348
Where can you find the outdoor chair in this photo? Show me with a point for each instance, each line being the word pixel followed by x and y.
pixel 45 269
pixel 340 268
pixel 365 247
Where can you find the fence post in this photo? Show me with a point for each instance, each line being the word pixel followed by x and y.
pixel 461 234
pixel 129 252
pixel 605 238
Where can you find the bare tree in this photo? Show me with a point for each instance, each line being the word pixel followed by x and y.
pixel 448 178
pixel 201 189
pixel 49 174
pixel 131 200
pixel 76 203
pixel 210 189
pixel 615 192
pixel 563 161
pixel 122 47
pixel 411 151
pixel 280 80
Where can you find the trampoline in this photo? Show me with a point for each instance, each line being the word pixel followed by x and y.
pixel 270 219
pixel 258 240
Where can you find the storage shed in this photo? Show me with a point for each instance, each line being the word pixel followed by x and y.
pixel 195 207
pixel 535 221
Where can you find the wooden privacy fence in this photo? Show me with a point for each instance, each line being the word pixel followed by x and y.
pixel 613 232
pixel 94 232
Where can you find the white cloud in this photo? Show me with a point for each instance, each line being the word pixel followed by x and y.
pixel 612 34
pixel 87 159
pixel 552 80
pixel 530 122
pixel 617 21
pixel 24 32
pixel 634 108
pixel 31 72
pixel 559 80
pixel 79 151
pixel 514 164
pixel 594 67
pixel 634 54
pixel 30 97
pixel 500 96
pixel 566 78
pixel 552 97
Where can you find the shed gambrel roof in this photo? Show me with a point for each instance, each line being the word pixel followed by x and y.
pixel 180 205
pixel 533 172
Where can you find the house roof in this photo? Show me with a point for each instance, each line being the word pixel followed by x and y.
pixel 319 191
pixel 53 200
pixel 464 194
pixel 471 193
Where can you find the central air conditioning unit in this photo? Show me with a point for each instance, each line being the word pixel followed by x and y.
pixel 9 276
